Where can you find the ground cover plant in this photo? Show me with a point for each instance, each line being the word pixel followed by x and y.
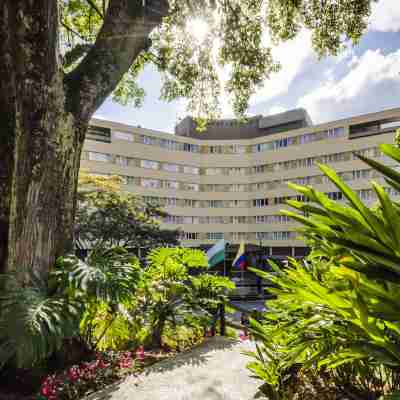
pixel 335 318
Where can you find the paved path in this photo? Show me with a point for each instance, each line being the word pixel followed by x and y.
pixel 215 370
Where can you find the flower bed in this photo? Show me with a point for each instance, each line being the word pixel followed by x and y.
pixel 87 377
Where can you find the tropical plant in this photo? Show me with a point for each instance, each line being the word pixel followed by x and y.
pixel 170 293
pixel 34 320
pixel 106 283
pixel 338 311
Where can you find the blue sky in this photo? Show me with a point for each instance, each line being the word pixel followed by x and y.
pixel 363 79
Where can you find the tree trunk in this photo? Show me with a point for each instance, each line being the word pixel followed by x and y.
pixel 44 115
pixel 40 143
pixel 156 335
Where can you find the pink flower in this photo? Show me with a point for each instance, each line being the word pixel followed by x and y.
pixel 73 373
pixel 140 353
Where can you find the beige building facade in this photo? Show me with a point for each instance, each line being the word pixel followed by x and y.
pixel 230 182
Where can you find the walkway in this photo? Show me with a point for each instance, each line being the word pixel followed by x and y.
pixel 215 370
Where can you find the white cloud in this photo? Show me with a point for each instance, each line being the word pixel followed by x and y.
pixel 372 83
pixel 385 16
pixel 276 110
pixel 293 56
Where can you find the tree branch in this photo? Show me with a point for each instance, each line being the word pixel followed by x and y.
pixel 93 5
pixel 123 36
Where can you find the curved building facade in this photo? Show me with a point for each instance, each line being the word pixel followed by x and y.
pixel 231 180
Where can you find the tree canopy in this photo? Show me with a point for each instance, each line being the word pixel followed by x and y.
pixel 205 48
pixel 107 217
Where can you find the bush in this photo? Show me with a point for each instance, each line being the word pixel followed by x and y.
pixel 169 293
pixel 336 315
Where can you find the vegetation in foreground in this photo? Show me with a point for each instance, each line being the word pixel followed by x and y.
pixel 333 330
pixel 108 303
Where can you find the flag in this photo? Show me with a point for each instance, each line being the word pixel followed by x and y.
pixel 217 253
pixel 240 259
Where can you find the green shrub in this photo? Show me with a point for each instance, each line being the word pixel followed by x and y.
pixel 170 293
pixel 337 313
pixel 34 320
pixel 106 283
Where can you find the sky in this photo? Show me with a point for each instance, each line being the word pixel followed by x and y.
pixel 362 79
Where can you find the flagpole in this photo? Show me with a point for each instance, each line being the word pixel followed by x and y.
pixel 226 245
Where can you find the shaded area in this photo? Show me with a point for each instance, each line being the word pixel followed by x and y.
pixel 214 370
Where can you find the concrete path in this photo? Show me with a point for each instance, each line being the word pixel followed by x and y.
pixel 215 370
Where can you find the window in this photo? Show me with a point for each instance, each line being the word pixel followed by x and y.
pixel 102 157
pixel 273 235
pixel 190 236
pixel 132 180
pixel 121 160
pixel 192 148
pixel 171 185
pixel 189 203
pixel 215 235
pixel 215 149
pixel 259 203
pixel 118 135
pixel 361 174
pixel 335 132
pixel 238 220
pixel 187 169
pixel 171 201
pixel 365 194
pixel 169 144
pixel 237 188
pixel 192 187
pixel 213 171
pixel 148 140
pixel 149 164
pixel 170 167
pixel 335 195
pixel 239 235
pixel 236 171
pixel 237 149
pixel 216 203
pixel 151 183
pixel 152 200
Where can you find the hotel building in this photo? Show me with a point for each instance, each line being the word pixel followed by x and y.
pixel 231 180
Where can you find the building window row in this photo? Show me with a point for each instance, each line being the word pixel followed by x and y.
pixel 229 149
pixel 308 162
pixel 134 162
pixel 245 219
pixel 247 236
pixel 372 152
pixel 300 139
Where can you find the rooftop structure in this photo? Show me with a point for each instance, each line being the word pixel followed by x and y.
pixel 233 129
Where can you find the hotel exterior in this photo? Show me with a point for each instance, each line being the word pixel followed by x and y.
pixel 231 180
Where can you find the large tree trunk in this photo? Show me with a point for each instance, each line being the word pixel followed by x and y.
pixel 44 116
pixel 39 149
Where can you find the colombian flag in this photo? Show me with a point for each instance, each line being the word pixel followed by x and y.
pixel 240 260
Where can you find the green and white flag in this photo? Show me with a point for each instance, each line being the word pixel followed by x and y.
pixel 217 253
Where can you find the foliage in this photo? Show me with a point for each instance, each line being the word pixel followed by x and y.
pixel 34 320
pixel 78 298
pixel 234 42
pixel 337 313
pixel 80 380
pixel 108 218
pixel 106 283
pixel 171 293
